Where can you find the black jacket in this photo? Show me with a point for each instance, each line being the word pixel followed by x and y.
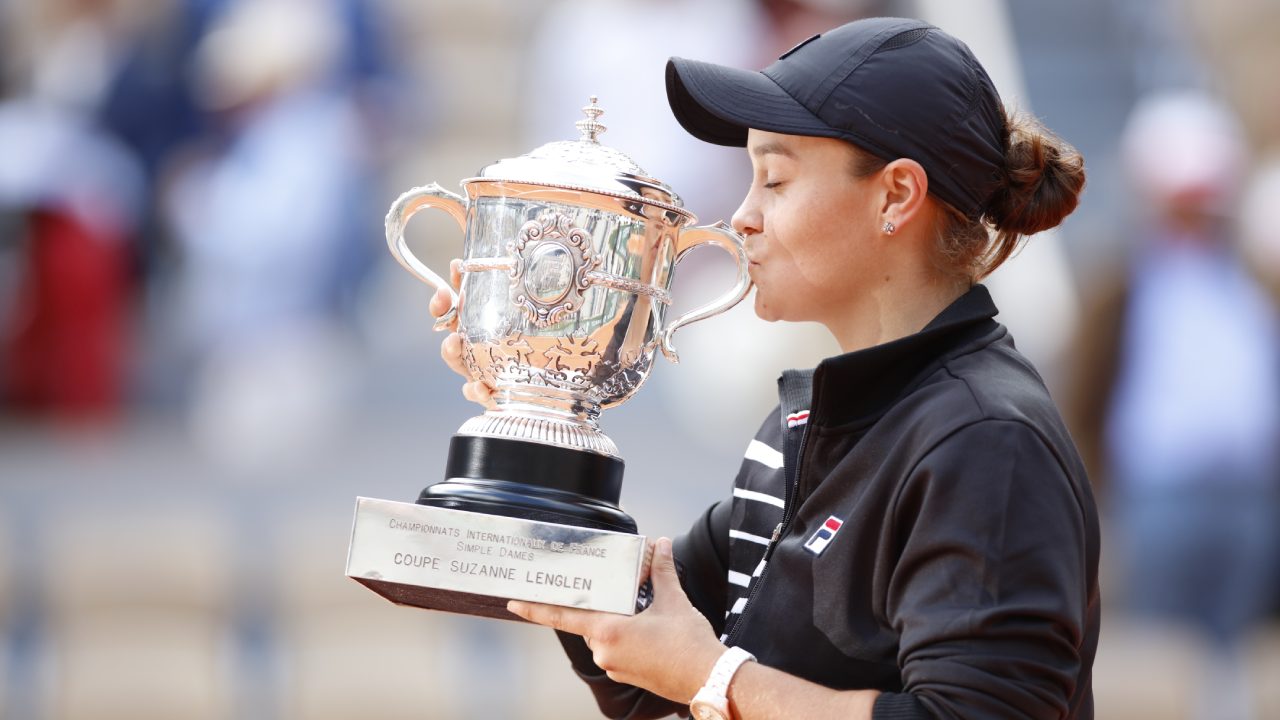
pixel 961 578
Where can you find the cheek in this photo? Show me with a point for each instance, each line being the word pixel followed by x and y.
pixel 795 280
pixel 820 247
pixel 836 237
pixel 831 270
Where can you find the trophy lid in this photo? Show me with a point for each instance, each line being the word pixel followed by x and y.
pixel 585 164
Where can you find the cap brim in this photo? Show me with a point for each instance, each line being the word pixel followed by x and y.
pixel 718 104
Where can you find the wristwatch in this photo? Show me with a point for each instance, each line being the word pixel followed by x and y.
pixel 712 701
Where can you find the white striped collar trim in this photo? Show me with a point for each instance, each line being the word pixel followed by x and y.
pixel 798 418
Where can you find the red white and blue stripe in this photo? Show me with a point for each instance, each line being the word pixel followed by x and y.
pixel 823 536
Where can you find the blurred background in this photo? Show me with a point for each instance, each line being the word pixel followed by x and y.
pixel 206 352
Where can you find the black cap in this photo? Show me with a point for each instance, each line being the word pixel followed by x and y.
pixel 896 88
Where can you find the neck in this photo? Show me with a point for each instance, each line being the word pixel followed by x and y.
pixel 899 306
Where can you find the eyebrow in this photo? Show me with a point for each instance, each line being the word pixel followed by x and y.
pixel 773 148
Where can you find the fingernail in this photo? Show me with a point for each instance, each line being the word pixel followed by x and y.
pixel 664 546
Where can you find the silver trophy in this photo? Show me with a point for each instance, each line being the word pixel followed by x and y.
pixel 567 264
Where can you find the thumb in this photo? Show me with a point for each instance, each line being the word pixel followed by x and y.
pixel 665 580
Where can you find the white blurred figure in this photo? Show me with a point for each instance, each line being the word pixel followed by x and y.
pixel 618 50
pixel 1260 223
pixel 1192 416
pixel 261 225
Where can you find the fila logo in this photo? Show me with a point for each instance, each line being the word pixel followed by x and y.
pixel 823 536
pixel 796 419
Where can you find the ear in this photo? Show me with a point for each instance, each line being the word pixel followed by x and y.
pixel 906 186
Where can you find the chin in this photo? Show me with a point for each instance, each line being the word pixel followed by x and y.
pixel 765 312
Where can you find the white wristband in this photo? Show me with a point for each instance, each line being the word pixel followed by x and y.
pixel 712 701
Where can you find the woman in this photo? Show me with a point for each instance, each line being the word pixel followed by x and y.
pixel 912 534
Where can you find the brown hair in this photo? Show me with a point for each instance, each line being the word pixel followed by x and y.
pixel 1040 185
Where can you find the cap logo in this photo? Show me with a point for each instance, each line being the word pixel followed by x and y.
pixel 823 536
pixel 799 45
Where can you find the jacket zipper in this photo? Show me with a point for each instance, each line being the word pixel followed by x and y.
pixel 789 511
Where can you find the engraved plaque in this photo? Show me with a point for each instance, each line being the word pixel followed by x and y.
pixel 550 273
pixel 472 563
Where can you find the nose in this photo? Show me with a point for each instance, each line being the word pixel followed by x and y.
pixel 747 219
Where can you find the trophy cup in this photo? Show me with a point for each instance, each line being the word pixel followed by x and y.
pixel 567 263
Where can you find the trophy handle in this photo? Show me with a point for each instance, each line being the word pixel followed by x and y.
pixel 404 208
pixel 727 239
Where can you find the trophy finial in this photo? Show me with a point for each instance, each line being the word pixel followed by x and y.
pixel 591 127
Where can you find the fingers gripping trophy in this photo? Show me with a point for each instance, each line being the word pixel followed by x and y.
pixel 563 305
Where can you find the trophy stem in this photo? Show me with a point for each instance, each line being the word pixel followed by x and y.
pixel 531 480
pixel 534 424
pixel 551 402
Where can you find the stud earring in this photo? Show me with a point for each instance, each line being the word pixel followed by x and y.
pixel 888 227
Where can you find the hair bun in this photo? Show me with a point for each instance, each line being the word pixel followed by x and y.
pixel 1043 179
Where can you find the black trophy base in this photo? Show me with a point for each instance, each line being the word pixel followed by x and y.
pixel 532 481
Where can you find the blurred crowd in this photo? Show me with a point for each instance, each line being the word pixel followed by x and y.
pixel 186 184
pixel 192 275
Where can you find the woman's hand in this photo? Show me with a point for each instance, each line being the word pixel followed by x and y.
pixel 669 649
pixel 451 347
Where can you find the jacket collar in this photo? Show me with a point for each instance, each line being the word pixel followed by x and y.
pixel 862 385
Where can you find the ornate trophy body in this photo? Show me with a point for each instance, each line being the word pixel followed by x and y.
pixel 567 263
